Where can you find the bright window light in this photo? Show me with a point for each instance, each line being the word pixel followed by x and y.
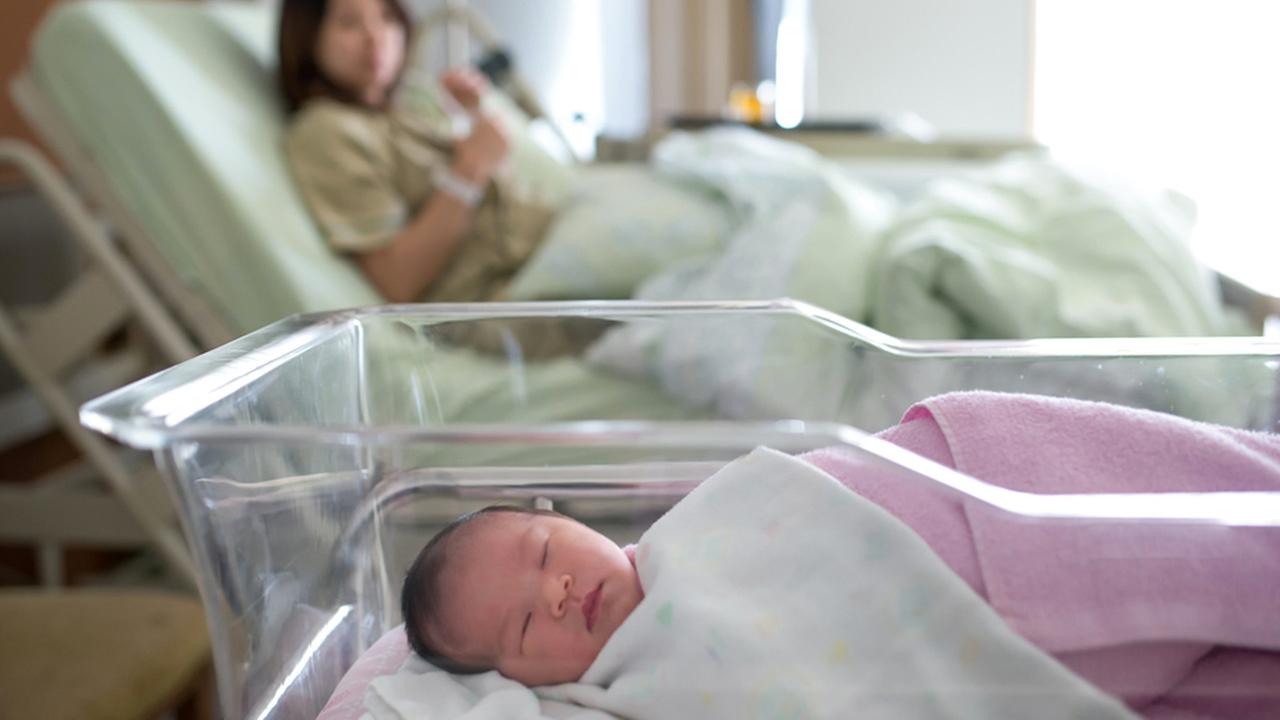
pixel 789 70
pixel 576 96
pixel 1179 92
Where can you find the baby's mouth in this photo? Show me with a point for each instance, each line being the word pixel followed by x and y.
pixel 591 606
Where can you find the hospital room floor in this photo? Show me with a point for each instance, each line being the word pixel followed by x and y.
pixel 129 592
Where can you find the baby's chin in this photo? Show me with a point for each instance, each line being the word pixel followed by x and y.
pixel 628 596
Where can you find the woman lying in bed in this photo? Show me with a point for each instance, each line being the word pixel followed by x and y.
pixel 427 215
pixel 772 586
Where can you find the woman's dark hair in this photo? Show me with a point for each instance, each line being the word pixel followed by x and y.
pixel 420 597
pixel 300 75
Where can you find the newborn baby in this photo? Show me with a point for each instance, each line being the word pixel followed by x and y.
pixel 532 594
pixel 537 595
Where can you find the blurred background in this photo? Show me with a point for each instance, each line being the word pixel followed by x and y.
pixel 1178 91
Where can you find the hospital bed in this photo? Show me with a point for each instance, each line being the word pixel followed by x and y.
pixel 305 501
pixel 167 117
pixel 204 237
pixel 178 185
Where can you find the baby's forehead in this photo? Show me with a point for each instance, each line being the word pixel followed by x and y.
pixel 479 560
pixel 500 524
pixel 498 532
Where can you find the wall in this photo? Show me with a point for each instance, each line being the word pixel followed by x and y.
pixel 584 58
pixel 625 31
pixel 18 18
pixel 963 66
pixel 697 50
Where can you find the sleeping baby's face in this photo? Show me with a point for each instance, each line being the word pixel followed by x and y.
pixel 535 596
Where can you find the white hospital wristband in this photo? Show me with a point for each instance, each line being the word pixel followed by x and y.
pixel 469 193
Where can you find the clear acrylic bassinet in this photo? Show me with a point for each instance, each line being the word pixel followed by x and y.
pixel 312 458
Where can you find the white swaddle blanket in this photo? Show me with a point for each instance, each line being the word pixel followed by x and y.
pixel 772 591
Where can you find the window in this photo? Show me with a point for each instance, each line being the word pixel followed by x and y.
pixel 1181 92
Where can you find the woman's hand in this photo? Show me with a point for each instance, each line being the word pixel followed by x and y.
pixel 467 86
pixel 478 156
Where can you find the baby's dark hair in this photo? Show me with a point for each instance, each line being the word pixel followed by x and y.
pixel 420 598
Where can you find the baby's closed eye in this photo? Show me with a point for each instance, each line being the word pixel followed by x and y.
pixel 525 630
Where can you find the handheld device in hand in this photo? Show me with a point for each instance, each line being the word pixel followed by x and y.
pixel 496 65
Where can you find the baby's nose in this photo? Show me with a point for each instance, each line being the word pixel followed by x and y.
pixel 558 594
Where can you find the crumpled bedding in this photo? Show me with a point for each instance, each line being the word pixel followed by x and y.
pixel 1034 248
pixel 1029 247
pixel 1150 612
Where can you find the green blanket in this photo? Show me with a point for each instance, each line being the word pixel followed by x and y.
pixel 1031 248
pixel 1027 248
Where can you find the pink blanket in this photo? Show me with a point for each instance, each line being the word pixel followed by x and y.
pixel 1179 620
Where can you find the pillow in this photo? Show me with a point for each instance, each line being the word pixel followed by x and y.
pixel 626 223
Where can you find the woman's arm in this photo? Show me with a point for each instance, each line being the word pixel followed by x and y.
pixel 405 267
pixel 402 269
